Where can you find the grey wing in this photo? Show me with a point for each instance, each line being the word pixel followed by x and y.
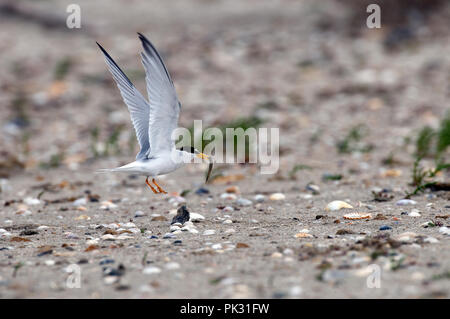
pixel 164 104
pixel 137 105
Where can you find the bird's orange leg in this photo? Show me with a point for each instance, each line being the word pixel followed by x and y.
pixel 159 187
pixel 153 189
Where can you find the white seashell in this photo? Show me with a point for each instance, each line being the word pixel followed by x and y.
pixel 243 202
pixel 194 217
pixel 303 235
pixel 123 236
pixel 92 242
pixel 406 237
pixel 151 270
pixel 277 196
pixel 431 240
pixel 337 205
pixel 228 209
pixel 358 216
pixel 31 201
pixel 444 230
pixel 80 202
pixel 228 196
pixel 108 237
pixel 209 232
pixel 128 225
pixel 414 213
pixel 172 266
pixel 259 198
pixel 107 205
pixel 49 262
pixel 404 202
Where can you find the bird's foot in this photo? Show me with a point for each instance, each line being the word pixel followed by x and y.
pixel 152 188
pixel 159 187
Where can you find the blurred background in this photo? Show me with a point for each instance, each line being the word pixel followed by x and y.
pixel 311 68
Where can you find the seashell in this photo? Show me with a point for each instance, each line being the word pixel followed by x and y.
pixel 80 201
pixel 108 237
pixel 107 205
pixel 232 189
pixel 228 196
pixel 303 235
pixel 391 173
pixel 31 201
pixel 151 270
pixel 404 202
pixel 406 237
pixel 414 213
pixel 82 217
pixel 337 205
pixel 195 217
pixel 277 196
pixel 353 216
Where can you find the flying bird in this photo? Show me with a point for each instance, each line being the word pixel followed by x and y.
pixel 153 120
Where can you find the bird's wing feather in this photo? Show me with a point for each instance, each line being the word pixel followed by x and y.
pixel 137 105
pixel 164 104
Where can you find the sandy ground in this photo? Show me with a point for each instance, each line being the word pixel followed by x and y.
pixel 298 66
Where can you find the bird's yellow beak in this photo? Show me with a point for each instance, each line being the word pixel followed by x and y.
pixel 203 156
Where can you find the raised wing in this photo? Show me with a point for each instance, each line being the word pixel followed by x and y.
pixel 164 104
pixel 137 105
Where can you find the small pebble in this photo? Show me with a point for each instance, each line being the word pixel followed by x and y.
pixel 228 196
pixel 431 240
pixel 232 190
pixel 151 270
pixel 139 213
pixel 404 202
pixel 202 191
pixel 444 230
pixel 385 227
pixel 277 196
pixel 172 266
pixel 259 198
pixel 414 213
pixel 80 201
pixel 244 202
pixel 31 201
pixel 228 209
pixel 209 232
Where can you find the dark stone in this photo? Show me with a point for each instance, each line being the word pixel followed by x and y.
pixel 385 227
pixel 182 216
pixel 202 191
pixel 107 261
pixel 28 232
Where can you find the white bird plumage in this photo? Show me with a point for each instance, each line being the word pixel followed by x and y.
pixel 153 121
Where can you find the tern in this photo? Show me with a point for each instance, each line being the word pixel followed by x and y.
pixel 153 120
